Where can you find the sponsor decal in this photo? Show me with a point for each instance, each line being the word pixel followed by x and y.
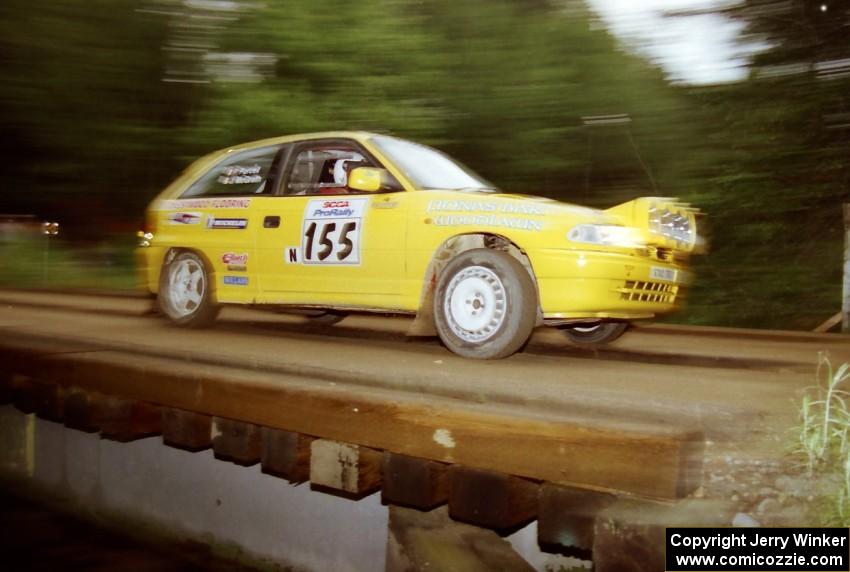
pixel 233 258
pixel 489 220
pixel 206 204
pixel 235 262
pixel 346 208
pixel 330 233
pixel 238 175
pixel 236 280
pixel 485 207
pixel 184 218
pixel 227 223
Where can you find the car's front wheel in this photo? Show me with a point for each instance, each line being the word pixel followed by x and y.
pixel 596 334
pixel 485 305
pixel 184 292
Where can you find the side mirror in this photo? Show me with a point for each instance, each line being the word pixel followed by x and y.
pixel 372 180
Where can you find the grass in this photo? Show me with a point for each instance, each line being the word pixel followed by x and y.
pixel 37 261
pixel 823 435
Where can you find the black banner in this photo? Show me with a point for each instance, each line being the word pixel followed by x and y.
pixel 757 549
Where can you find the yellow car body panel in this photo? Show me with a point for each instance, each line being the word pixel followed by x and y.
pixel 259 249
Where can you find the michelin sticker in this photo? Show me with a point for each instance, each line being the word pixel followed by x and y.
pixel 236 280
pixel 331 232
pixel 227 223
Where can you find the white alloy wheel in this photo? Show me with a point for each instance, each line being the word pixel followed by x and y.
pixel 475 304
pixel 186 286
pixel 485 304
pixel 184 293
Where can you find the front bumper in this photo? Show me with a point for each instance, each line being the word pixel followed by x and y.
pixel 575 284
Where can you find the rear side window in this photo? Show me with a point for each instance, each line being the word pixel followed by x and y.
pixel 323 169
pixel 243 173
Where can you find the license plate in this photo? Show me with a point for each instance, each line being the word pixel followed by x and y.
pixel 659 273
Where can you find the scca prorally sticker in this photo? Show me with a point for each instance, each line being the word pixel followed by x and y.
pixel 236 280
pixel 331 231
pixel 227 223
pixel 206 204
pixel 184 218
pixel 235 262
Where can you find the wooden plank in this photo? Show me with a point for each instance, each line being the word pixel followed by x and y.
pixel 829 323
pixel 186 430
pixel 7 388
pixel 286 454
pixel 23 395
pixel 43 398
pixel 82 410
pixel 236 441
pixel 567 517
pixel 49 401
pixel 412 482
pixel 650 461
pixel 491 499
pixel 128 419
pixel 344 467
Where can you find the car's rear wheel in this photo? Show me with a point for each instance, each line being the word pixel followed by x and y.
pixel 485 305
pixel 184 293
pixel 596 334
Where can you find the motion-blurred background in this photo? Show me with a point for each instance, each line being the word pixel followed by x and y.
pixel 103 102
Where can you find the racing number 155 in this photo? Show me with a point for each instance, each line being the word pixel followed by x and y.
pixel 319 248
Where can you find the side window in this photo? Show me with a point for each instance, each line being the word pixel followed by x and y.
pixel 323 170
pixel 243 173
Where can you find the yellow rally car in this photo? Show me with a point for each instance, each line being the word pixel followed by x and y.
pixel 358 222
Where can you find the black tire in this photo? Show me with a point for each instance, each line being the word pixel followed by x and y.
pixel 490 289
pixel 596 334
pixel 328 318
pixel 186 299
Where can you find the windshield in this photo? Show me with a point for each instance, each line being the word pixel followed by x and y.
pixel 428 168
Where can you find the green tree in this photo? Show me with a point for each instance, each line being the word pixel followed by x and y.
pixel 778 144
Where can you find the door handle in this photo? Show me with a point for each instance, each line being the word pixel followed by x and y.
pixel 271 222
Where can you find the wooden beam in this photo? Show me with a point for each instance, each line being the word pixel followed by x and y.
pixel 23 395
pixel 186 430
pixel 829 323
pixel 412 482
pixel 7 388
pixel 43 398
pixel 566 518
pixel 286 454
pixel 344 467
pixel 128 419
pixel 236 441
pixel 82 410
pixel 651 461
pixel 490 499
pixel 49 401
